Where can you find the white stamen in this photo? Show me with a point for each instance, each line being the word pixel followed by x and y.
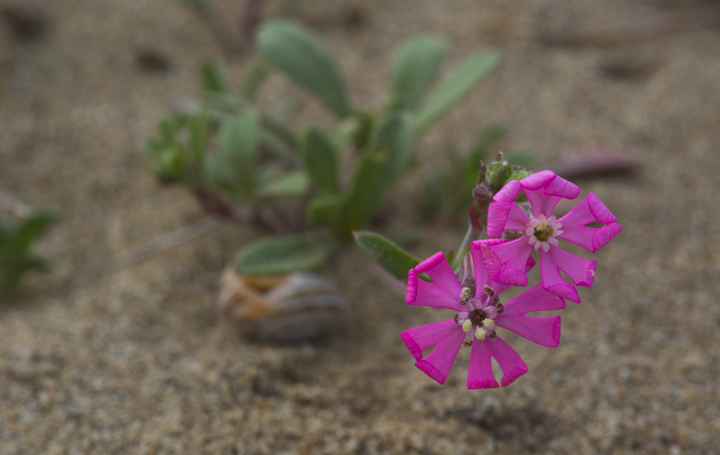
pixel 489 323
pixel 467 325
pixel 480 333
pixel 465 293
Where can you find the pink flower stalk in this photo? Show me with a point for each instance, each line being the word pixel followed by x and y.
pixel 541 233
pixel 478 315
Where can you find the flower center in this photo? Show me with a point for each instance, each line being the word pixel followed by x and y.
pixel 543 232
pixel 478 322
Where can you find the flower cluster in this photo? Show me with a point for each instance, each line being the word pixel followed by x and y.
pixel 497 264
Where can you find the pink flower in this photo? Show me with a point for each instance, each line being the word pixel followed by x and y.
pixel 541 233
pixel 478 315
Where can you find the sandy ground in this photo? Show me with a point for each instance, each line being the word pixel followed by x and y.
pixel 138 362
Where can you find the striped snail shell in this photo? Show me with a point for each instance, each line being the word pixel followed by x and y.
pixel 291 308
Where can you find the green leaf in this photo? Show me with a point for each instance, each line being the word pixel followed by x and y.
pixel 366 192
pixel 324 209
pixel 306 60
pixel 377 171
pixel 255 76
pixel 388 255
pixel 239 137
pixel 34 227
pixel 414 68
pixel 219 174
pixel 395 138
pixel 211 78
pixel 320 160
pixel 455 85
pixel 283 255
pixel 199 126
pixel 294 183
pixel 16 257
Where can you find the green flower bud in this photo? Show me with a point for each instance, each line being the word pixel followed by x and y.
pixel 498 174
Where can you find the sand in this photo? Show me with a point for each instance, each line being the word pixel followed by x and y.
pixel 138 361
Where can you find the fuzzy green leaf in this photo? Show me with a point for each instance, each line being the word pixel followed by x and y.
pixel 388 255
pixel 294 183
pixel 283 255
pixel 395 138
pixel 320 160
pixel 455 86
pixel 414 68
pixel 239 137
pixel 306 60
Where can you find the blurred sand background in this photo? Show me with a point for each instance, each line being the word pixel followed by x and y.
pixel 137 362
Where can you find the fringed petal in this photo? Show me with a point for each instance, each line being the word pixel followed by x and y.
pixel 599 211
pixel 507 263
pixel 480 372
pixel 498 213
pixel 587 211
pixel 537 180
pixel 562 188
pixel 551 279
pixel 544 331
pixel 580 271
pixel 422 293
pixel 604 235
pixel 443 292
pixel 447 336
pixel 420 338
pixel 509 192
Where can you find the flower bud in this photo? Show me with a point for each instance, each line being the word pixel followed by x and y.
pixel 498 174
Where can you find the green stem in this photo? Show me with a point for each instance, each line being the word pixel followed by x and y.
pixel 464 248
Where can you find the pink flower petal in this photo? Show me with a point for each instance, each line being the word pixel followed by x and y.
pixel 509 192
pixel 507 263
pixel 599 211
pixel 580 271
pixel 481 275
pixel 422 293
pixel 497 217
pixel 588 210
pixel 604 235
pixel 480 372
pixel 579 235
pixel 420 338
pixel 541 203
pixel 443 292
pixel 562 188
pixel 537 180
pixel 552 281
pixel 447 337
pixel 516 220
pixel 544 331
pixel 592 239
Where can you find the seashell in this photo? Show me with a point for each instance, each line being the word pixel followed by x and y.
pixel 291 308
